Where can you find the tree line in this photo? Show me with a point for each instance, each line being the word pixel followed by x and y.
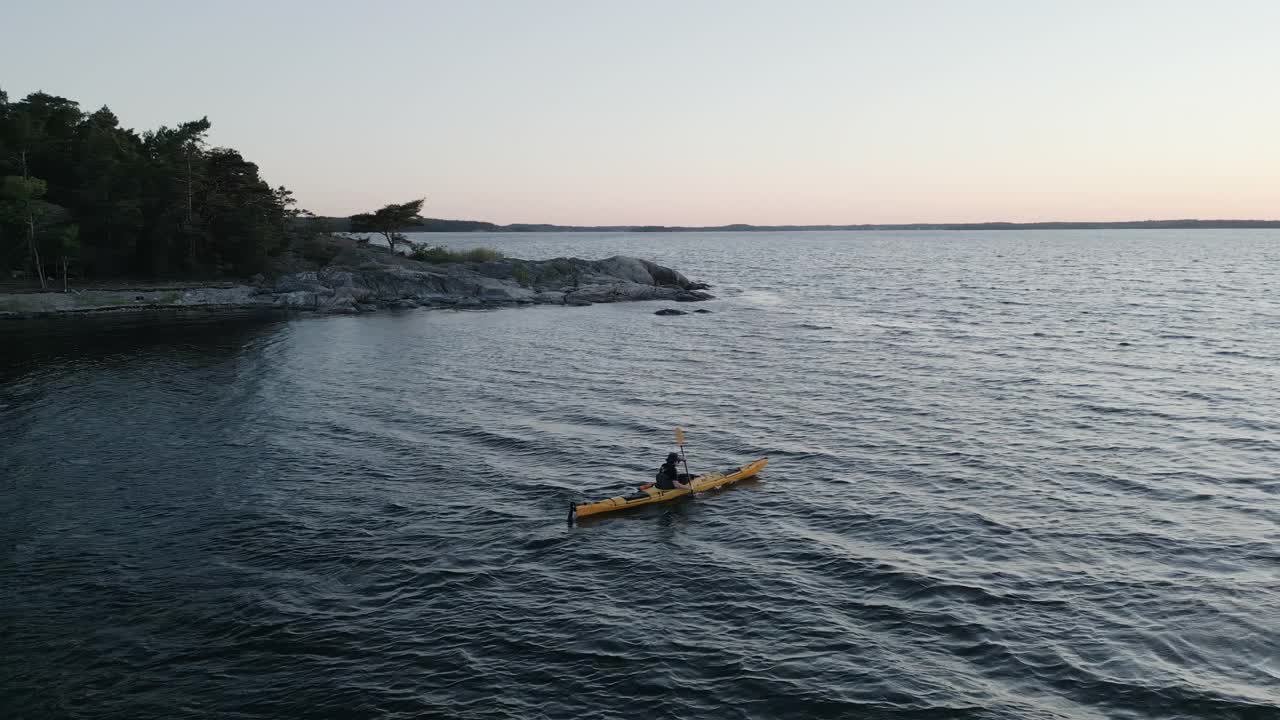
pixel 80 194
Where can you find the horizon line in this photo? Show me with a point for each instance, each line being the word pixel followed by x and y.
pixel 426 224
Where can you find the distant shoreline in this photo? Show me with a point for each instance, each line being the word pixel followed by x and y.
pixel 440 225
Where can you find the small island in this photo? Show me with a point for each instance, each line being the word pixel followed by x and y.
pixel 347 275
pixel 97 217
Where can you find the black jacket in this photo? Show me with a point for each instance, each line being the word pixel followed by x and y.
pixel 667 476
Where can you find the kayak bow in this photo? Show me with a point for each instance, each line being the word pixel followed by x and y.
pixel 649 494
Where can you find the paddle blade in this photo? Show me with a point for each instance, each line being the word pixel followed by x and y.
pixel 680 436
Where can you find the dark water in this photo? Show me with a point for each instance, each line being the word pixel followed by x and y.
pixel 1019 475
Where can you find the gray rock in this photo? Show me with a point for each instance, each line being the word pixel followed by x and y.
pixel 339 305
pixel 626 268
pixel 702 311
pixel 552 297
pixel 625 292
pixel 693 296
pixel 294 282
pixel 296 299
pixel 238 295
pixel 335 278
pixel 670 311
pixel 641 272
pixel 599 293
pixel 364 278
pixel 502 291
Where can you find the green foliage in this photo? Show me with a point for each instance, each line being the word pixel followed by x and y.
pixel 320 249
pixel 36 223
pixel 521 274
pixel 22 200
pixel 15 188
pixel 389 220
pixel 67 240
pixel 310 225
pixel 159 203
pixel 482 255
pixel 439 255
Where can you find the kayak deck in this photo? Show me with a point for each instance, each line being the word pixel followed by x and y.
pixel 650 494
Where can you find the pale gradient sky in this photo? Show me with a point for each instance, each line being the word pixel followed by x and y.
pixel 693 113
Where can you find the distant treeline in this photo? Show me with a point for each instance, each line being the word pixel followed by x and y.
pixel 437 225
pixel 79 193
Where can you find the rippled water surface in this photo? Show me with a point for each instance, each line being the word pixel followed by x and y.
pixel 1014 475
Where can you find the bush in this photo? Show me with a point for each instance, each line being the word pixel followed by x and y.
pixel 320 249
pixel 439 254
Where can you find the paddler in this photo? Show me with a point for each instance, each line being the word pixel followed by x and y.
pixel 669 477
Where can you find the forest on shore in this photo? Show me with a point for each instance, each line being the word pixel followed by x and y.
pixel 81 195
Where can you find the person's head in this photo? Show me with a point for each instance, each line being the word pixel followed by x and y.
pixel 673 458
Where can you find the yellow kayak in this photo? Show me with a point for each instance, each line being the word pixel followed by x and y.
pixel 650 494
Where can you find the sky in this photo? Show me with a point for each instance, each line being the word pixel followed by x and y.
pixel 699 112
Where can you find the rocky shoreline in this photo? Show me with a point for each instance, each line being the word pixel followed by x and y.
pixel 370 279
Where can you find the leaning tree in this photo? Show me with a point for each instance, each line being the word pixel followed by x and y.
pixel 389 220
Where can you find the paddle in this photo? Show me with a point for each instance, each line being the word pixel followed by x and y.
pixel 680 442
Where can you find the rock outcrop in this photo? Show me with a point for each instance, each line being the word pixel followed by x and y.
pixel 366 279
pixel 382 279
pixel 674 311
